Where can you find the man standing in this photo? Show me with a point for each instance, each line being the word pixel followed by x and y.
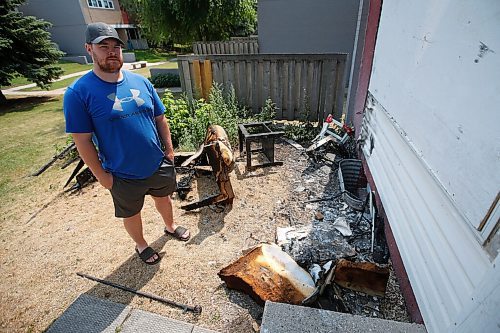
pixel 122 114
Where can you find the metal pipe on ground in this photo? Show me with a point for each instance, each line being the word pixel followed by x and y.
pixel 196 309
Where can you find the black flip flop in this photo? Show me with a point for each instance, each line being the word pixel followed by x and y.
pixel 178 232
pixel 146 254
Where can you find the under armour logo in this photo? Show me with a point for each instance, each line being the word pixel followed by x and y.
pixel 118 102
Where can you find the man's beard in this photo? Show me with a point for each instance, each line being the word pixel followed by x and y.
pixel 108 66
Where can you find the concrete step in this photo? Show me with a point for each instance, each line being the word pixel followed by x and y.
pixel 286 318
pixel 89 314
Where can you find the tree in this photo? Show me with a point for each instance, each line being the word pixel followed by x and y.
pixel 25 47
pixel 185 21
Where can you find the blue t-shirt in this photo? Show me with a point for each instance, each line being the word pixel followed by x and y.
pixel 121 117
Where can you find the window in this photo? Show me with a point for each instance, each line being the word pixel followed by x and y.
pixel 107 4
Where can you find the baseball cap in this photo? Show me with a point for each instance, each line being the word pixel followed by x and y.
pixel 97 32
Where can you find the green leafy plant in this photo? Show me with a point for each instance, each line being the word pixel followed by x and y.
pixel 268 112
pixel 177 112
pixel 304 130
pixel 166 80
pixel 189 119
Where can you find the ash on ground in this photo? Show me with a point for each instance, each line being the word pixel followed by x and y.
pixel 314 213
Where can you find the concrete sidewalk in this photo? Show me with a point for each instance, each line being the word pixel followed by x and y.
pixel 88 314
pixel 286 318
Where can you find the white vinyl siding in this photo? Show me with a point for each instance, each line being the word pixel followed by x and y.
pixel 444 261
pixel 436 71
pixel 433 122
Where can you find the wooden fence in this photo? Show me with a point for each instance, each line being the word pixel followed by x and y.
pixel 300 84
pixel 237 46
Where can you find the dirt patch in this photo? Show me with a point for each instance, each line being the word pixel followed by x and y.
pixel 79 233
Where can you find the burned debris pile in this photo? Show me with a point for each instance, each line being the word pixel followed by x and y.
pixel 333 232
pixel 69 155
pixel 332 253
pixel 217 149
pixel 267 273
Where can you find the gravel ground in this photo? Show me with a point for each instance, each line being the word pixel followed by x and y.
pixel 46 236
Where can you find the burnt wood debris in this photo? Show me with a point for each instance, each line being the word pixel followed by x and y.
pixel 343 249
pixel 217 149
pixel 261 134
pixel 67 150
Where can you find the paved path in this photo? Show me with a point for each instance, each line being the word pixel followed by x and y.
pixel 89 314
pixel 57 92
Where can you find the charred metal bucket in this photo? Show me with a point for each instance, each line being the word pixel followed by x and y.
pixel 353 183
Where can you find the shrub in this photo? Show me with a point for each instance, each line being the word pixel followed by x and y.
pixel 189 119
pixel 166 80
pixel 302 132
pixel 177 112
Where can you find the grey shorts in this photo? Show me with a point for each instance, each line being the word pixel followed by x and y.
pixel 128 194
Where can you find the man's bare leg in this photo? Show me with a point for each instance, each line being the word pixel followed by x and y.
pixel 133 225
pixel 164 207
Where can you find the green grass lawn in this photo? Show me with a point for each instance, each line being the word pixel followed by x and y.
pixel 72 67
pixel 56 85
pixel 146 73
pixel 67 67
pixel 152 55
pixel 66 82
pixel 30 129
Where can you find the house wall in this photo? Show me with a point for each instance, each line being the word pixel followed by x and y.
pixel 109 16
pixel 357 55
pixel 432 146
pixel 320 26
pixel 68 23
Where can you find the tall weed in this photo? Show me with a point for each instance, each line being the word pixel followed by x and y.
pixel 189 119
